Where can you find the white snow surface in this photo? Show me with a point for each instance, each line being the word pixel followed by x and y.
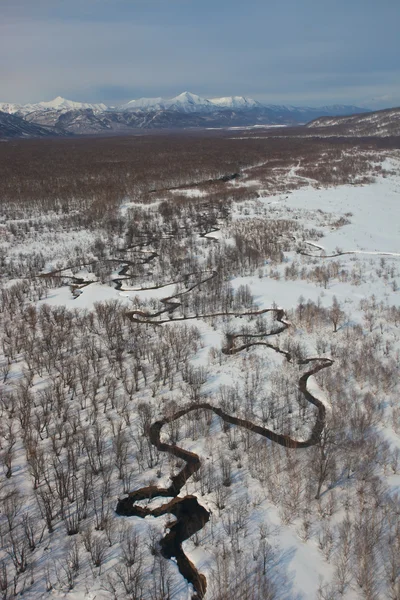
pixel 190 192
pixel 374 228
pixel 94 292
pixel 375 208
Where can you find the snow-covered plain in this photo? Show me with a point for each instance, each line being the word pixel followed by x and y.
pixel 370 229
pixel 375 214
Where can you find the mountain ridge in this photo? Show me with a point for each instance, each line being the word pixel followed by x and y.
pixel 184 102
pixel 382 123
pixel 186 110
pixel 12 126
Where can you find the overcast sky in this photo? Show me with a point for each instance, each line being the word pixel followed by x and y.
pixel 280 51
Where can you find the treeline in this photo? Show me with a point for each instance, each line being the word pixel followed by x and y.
pixel 94 175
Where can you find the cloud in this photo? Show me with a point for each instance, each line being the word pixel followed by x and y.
pixel 96 50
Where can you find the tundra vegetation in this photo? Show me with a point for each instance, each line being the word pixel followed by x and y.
pixel 131 271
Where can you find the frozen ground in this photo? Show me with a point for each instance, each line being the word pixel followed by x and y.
pixel 375 214
pixel 373 232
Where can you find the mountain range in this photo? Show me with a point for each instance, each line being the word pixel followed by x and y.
pixel 61 116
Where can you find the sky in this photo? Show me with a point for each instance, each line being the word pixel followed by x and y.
pixel 301 52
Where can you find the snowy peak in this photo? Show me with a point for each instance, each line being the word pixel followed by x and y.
pixel 185 103
pixel 12 109
pixel 189 98
pixel 142 104
pixel 188 102
pixel 60 103
pixel 236 103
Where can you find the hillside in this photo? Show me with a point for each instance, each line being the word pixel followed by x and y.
pixel 381 123
pixel 12 126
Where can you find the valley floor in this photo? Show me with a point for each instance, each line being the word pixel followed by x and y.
pixel 96 348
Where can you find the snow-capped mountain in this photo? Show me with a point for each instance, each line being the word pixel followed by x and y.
pixel 185 103
pixel 190 103
pixel 236 103
pixel 140 104
pixel 186 110
pixel 13 109
pixel 59 103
